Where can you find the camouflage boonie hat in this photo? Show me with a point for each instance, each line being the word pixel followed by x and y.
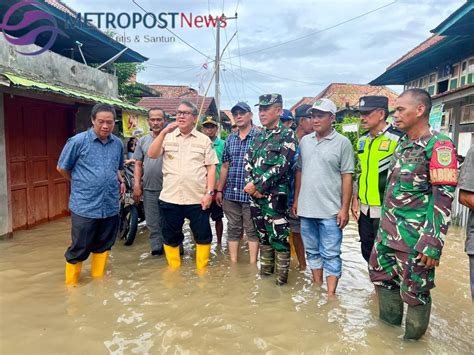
pixel 269 99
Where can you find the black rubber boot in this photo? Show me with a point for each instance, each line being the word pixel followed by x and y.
pixel 390 306
pixel 417 321
pixel 283 266
pixel 267 260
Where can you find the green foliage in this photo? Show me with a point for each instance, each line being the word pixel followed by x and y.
pixel 128 91
pixel 224 134
pixel 353 136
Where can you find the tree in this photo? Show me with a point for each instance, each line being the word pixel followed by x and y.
pixel 130 92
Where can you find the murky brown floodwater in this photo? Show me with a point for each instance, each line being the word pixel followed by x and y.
pixel 141 308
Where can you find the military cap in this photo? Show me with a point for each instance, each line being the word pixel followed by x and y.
pixel 209 120
pixel 269 99
pixel 370 103
pixel 302 111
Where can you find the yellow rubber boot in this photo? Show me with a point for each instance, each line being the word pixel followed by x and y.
pixel 172 255
pixel 98 263
pixel 292 245
pixel 72 273
pixel 202 255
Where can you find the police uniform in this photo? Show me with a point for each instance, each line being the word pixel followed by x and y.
pixel 375 154
pixel 415 215
pixel 268 162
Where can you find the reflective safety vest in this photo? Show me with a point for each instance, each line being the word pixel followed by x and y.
pixel 375 155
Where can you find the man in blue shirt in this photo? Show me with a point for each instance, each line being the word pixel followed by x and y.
pixel 91 160
pixel 230 188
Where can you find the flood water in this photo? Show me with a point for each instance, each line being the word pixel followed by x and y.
pixel 141 307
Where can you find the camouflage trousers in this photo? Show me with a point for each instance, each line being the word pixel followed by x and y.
pixel 394 269
pixel 269 215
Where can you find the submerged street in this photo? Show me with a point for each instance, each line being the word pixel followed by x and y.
pixel 141 307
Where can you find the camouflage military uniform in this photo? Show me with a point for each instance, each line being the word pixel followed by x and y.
pixel 415 215
pixel 268 167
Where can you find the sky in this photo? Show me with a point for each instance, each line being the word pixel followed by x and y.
pixel 340 42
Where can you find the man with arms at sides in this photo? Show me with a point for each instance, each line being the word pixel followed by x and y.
pixel 230 189
pixel 415 213
pixel 189 176
pixel 375 150
pixel 325 168
pixel 268 163
pixel 148 179
pixel 209 128
pixel 92 160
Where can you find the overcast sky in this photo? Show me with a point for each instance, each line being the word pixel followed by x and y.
pixel 354 52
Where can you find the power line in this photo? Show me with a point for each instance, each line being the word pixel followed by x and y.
pixel 226 88
pixel 238 48
pixel 283 78
pixel 230 60
pixel 167 67
pixel 174 34
pixel 320 31
pixel 250 85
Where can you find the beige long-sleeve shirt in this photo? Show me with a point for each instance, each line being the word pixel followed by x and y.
pixel 185 161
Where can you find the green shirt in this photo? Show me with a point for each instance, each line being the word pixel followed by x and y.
pixel 218 145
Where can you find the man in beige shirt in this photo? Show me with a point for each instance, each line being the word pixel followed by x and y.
pixel 189 174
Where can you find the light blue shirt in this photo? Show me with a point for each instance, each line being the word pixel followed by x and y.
pixel 95 188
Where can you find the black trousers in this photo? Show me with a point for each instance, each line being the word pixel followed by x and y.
pixel 90 235
pixel 367 231
pixel 173 220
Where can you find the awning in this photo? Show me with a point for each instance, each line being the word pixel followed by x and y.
pixel 20 81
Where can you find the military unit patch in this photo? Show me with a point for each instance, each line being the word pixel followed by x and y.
pixel 443 164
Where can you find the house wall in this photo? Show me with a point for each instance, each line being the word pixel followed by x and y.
pixel 57 69
pixel 458 74
pixel 5 228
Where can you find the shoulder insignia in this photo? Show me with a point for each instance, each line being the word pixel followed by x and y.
pixel 443 164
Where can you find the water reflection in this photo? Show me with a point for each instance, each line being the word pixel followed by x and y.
pixel 142 307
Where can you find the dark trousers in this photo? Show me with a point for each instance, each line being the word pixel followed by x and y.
pixel 90 235
pixel 367 231
pixel 173 220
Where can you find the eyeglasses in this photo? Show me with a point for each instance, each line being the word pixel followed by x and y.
pixel 184 113
pixel 239 113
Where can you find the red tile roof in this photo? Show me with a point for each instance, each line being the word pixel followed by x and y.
pixel 228 113
pixel 430 42
pixel 174 90
pixel 341 94
pixel 170 104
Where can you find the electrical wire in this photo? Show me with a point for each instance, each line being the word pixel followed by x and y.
pixel 319 31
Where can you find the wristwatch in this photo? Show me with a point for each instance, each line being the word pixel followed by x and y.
pixel 211 192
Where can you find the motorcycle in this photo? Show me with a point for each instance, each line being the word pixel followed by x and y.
pixel 131 213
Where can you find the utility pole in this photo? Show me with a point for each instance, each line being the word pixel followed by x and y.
pixel 217 64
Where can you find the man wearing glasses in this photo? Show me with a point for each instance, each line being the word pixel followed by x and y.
pixel 375 150
pixel 268 163
pixel 324 175
pixel 230 189
pixel 189 174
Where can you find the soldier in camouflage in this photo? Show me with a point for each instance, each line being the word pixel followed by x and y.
pixel 415 215
pixel 267 168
